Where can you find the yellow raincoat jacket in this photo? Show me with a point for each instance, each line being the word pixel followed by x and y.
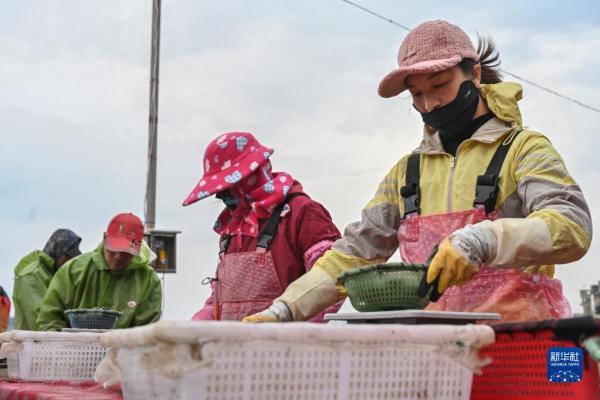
pixel 544 219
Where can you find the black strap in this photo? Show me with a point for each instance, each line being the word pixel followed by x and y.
pixel 268 233
pixel 224 244
pixel 410 192
pixel 488 184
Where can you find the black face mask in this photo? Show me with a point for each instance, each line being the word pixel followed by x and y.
pixel 230 201
pixel 453 118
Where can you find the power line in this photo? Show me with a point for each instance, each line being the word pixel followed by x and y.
pixel 551 91
pixel 579 103
pixel 391 21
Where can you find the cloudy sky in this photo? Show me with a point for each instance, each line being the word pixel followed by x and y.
pixel 301 75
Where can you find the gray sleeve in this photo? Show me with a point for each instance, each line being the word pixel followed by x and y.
pixel 374 237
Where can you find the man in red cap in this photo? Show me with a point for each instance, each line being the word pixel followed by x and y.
pixel 115 276
pixel 123 240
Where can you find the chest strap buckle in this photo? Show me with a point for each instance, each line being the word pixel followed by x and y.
pixel 486 192
pixel 264 241
pixel 410 195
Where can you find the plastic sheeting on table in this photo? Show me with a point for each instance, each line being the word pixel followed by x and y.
pixel 14 389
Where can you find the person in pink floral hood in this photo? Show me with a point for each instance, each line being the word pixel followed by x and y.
pixel 271 230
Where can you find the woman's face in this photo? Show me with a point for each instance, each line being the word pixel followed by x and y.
pixel 435 90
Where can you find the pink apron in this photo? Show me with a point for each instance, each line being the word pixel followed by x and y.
pixel 515 295
pixel 247 283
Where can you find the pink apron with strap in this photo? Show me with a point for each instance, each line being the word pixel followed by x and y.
pixel 515 295
pixel 247 283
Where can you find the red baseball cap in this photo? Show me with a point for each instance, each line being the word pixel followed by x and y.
pixel 125 233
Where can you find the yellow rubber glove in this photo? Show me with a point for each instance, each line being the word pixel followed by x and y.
pixel 278 312
pixel 453 266
pixel 263 316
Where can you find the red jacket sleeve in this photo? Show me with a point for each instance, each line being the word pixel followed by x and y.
pixel 315 232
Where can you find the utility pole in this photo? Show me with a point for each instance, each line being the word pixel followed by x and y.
pixel 150 199
pixel 586 301
pixel 595 294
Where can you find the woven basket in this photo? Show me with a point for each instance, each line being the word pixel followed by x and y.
pixel 94 318
pixel 384 287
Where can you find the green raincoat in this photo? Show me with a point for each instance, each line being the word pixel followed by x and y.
pixel 32 277
pixel 88 282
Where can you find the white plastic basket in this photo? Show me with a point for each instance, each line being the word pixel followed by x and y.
pixel 230 360
pixel 46 356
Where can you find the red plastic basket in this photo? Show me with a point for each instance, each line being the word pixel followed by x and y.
pixel 518 370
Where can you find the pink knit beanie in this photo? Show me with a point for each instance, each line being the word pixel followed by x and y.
pixel 432 46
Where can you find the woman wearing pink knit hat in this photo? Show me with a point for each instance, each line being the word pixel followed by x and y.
pixel 487 202
pixel 271 231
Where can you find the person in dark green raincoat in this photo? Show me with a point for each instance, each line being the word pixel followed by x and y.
pixel 34 273
pixel 115 276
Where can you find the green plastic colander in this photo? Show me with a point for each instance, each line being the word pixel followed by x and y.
pixel 384 287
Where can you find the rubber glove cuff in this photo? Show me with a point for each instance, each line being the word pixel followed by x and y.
pixel 277 312
pixel 476 243
pixel 282 311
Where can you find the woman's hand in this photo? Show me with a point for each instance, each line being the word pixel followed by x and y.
pixel 452 265
pixel 278 312
pixel 460 255
pixel 263 316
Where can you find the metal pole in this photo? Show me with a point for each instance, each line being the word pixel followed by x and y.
pixel 150 200
pixel 586 301
pixel 595 293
